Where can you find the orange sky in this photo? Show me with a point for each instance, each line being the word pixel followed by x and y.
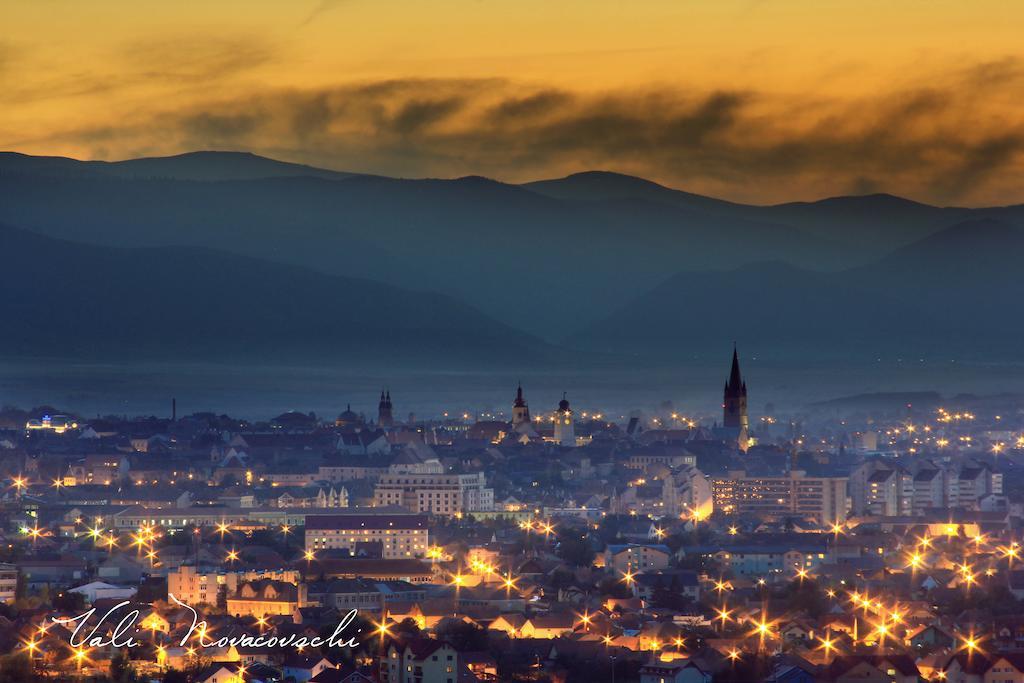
pixel 753 100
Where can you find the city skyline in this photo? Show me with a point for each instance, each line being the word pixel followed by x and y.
pixel 673 341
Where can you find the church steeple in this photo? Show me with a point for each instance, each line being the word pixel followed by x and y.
pixel 734 402
pixel 735 382
pixel 520 409
pixel 385 415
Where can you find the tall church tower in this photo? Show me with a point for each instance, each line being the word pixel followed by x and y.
pixel 565 431
pixel 385 416
pixel 520 409
pixel 734 403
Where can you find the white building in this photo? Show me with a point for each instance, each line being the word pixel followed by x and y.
pixel 97 590
pixel 565 430
pixel 887 489
pixel 435 493
pixel 202 587
pixel 401 536
pixel 8 582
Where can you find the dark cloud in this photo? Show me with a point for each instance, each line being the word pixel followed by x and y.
pixel 945 141
pixel 416 115
pixel 513 109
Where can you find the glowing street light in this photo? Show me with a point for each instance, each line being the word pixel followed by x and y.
pixel 586 620
pixel 915 561
pixel 723 617
pixel 827 644
pixel 382 630
pixel 970 643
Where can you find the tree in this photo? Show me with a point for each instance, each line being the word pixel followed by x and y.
pixel 121 670
pixel 16 668
pixel 175 676
pixel 614 588
pixel 70 602
pixel 574 548
pixel 805 595
pixel 407 626
pixel 463 636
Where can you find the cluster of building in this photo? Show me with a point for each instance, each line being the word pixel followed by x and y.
pixel 841 544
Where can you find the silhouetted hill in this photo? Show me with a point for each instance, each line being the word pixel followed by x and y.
pixel 604 185
pixel 863 220
pixel 189 166
pixel 967 275
pixel 778 305
pixel 971 248
pixel 502 248
pixel 862 226
pixel 953 292
pixel 551 257
pixel 73 300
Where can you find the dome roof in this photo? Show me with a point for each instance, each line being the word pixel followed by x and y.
pixel 348 415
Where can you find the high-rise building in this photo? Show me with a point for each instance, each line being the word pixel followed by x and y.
pixel 442 494
pixel 734 404
pixel 385 415
pixel 792 494
pixel 885 488
pixel 565 431
pixel 520 409
pixel 400 535
pixel 203 586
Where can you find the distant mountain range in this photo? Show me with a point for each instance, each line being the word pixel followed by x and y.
pixel 597 260
pixel 64 299
pixel 203 166
pixel 957 291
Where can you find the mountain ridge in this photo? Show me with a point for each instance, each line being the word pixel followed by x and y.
pixel 914 300
pixel 202 165
pixel 599 239
pixel 63 297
